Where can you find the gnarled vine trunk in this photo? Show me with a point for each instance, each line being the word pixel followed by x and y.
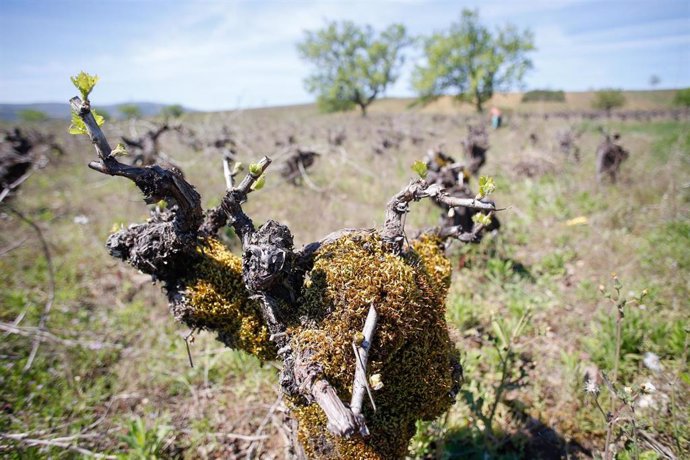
pixel 357 319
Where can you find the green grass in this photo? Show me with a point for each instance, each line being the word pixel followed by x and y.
pixel 561 237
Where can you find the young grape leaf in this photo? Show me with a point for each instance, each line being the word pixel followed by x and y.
pixel 255 169
pixel 78 126
pixel 119 151
pixel 260 182
pixel 84 83
pixel 486 186
pixel 375 382
pixel 420 168
pixel 100 121
pixel 481 219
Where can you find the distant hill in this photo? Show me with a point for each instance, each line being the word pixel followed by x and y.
pixel 59 110
pixel 574 101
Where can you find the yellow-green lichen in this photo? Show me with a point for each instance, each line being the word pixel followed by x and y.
pixel 317 441
pixel 411 349
pixel 215 298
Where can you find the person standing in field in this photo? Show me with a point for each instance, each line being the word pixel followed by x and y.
pixel 496 117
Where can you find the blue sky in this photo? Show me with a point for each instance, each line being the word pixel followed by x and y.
pixel 214 55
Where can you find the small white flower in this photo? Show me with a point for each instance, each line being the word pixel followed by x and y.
pixel 591 387
pixel 648 387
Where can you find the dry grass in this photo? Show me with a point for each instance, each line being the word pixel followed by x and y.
pixel 511 102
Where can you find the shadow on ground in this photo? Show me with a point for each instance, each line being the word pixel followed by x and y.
pixel 533 440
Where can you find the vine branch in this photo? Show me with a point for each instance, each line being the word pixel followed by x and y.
pixel 155 182
pixel 399 205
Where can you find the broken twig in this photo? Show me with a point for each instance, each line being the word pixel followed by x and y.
pixel 362 354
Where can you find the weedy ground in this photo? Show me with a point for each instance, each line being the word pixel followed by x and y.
pixel 525 307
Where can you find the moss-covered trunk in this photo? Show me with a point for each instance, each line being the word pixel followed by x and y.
pixel 307 307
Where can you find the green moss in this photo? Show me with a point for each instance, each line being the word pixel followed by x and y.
pixel 215 298
pixel 319 443
pixel 411 349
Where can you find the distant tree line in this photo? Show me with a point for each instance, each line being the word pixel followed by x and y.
pixel 354 65
pixel 32 115
pixel 127 111
pixel 133 111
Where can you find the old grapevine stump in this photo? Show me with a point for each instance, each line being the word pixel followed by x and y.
pixel 308 307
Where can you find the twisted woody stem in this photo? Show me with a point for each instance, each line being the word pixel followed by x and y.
pixel 155 182
pixel 230 209
pixel 271 268
pixel 393 228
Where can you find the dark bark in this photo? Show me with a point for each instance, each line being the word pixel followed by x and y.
pixel 145 149
pixel 296 163
pixel 610 156
pixel 393 228
pixel 230 211
pixel 476 145
pixel 21 153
